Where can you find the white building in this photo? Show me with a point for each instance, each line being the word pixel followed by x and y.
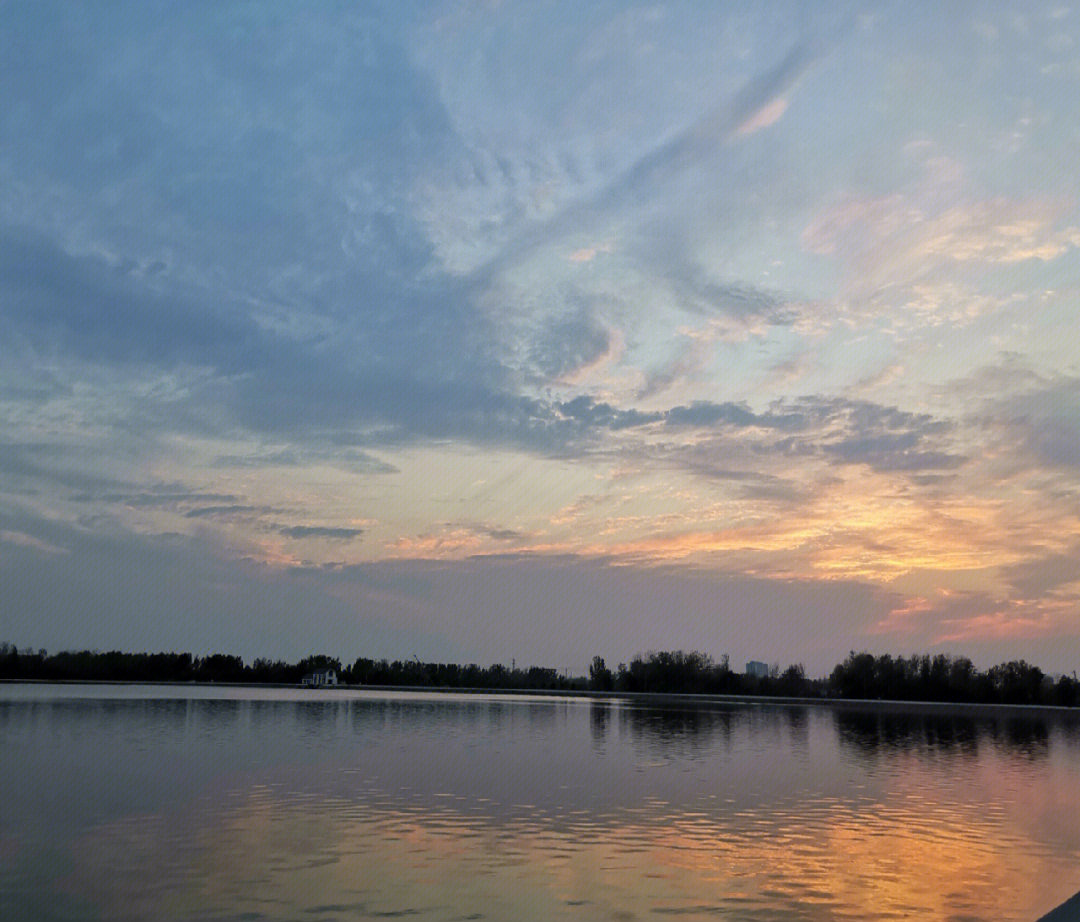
pixel 757 669
pixel 320 678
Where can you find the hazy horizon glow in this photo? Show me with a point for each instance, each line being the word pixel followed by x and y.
pixel 487 330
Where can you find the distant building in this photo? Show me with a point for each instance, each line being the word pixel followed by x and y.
pixel 757 669
pixel 320 678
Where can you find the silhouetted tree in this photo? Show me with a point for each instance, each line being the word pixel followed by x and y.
pixel 600 677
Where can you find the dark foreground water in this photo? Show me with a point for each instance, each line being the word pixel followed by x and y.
pixel 159 803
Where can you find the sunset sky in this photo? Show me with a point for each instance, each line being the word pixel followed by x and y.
pixel 487 330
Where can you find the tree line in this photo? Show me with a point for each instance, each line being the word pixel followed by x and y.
pixel 697 674
pixel 116 666
pixel 920 677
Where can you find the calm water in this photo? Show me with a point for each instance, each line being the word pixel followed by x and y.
pixel 166 803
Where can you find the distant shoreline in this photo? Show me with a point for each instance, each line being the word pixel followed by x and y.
pixel 695 676
pixel 655 699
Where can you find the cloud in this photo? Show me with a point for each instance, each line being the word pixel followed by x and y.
pixel 588 254
pixel 642 101
pixel 81 307
pixel 697 292
pixel 257 379
pixel 768 114
pixel 997 230
pixel 29 541
pixel 162 495
pixel 590 416
pixel 165 277
pixel 709 461
pixel 171 496
pixel 453 539
pixel 32 466
pixel 565 347
pixel 1043 575
pixel 923 255
pixel 183 110
pixel 319 531
pixel 892 452
pixel 573 511
pixel 225 512
pixel 880 379
pixel 1045 421
pixel 647 178
pixel 493 531
pixel 332 454
pixel 284 457
pixel 974 619
pixel 887 438
pixel 849 431
pixel 385 344
pixel 704 413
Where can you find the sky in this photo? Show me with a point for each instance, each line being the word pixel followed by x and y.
pixel 527 331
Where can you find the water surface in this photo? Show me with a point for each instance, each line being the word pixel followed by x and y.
pixel 180 803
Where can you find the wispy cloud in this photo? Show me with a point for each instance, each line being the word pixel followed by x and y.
pixel 759 100
pixel 331 532
pixel 230 511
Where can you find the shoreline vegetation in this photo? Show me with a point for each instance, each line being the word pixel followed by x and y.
pixel 861 677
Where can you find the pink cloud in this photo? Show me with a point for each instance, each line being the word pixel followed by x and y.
pixel 588 254
pixel 768 114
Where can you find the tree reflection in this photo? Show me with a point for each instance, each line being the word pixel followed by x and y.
pixel 688 729
pixel 874 733
pixel 1028 737
pixel 599 716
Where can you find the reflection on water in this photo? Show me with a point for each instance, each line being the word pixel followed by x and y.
pixel 254 804
pixel 875 734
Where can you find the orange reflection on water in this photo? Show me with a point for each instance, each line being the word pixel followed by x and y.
pixel 337 858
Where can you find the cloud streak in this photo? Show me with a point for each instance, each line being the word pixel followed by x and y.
pixel 647 178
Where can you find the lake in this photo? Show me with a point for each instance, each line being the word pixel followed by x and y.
pixel 169 803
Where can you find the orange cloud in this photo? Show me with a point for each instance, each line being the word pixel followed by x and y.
pixel 588 254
